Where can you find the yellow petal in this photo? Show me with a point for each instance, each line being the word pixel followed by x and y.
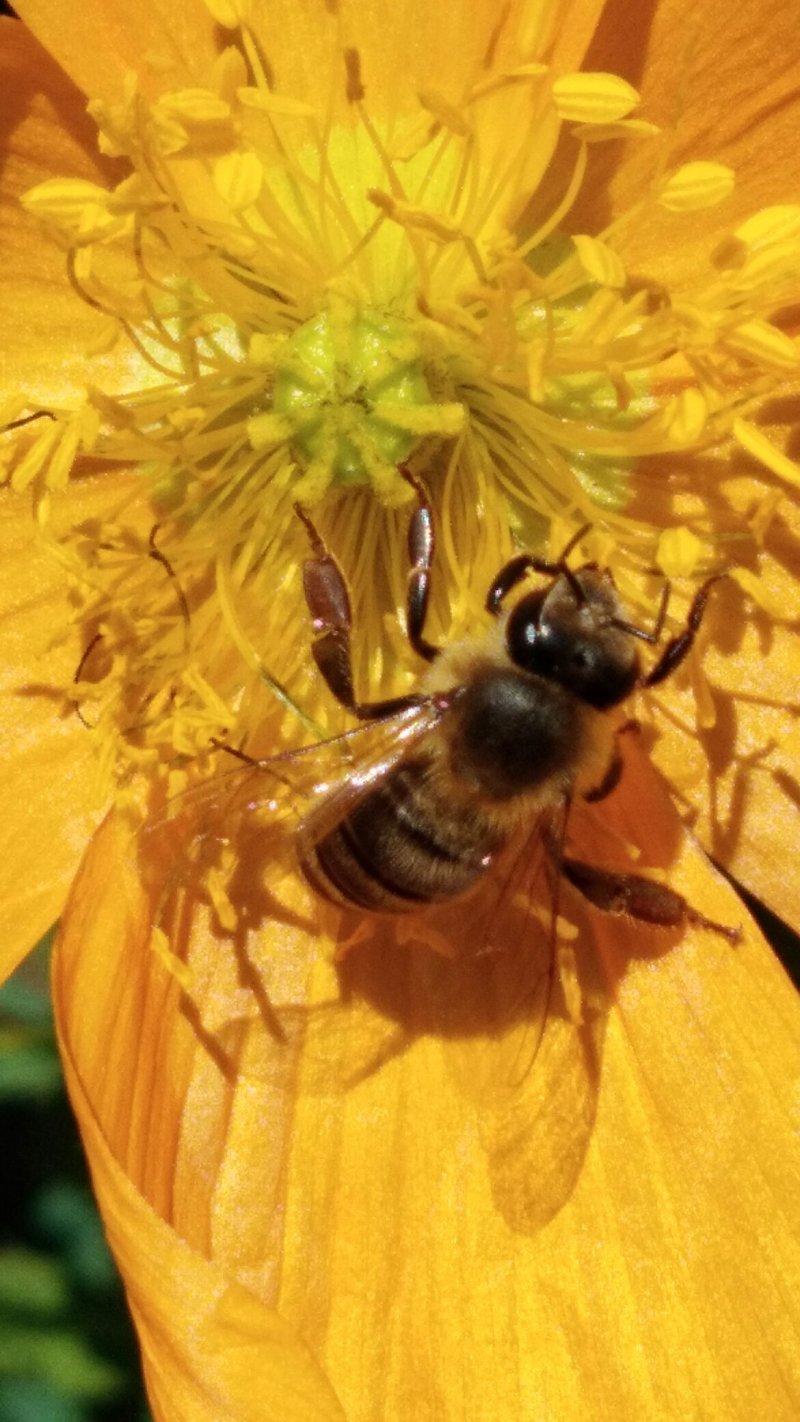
pixel 232 1355
pixel 46 331
pixel 170 44
pixel 47 785
pixel 345 1146
pixel 694 70
pixel 740 791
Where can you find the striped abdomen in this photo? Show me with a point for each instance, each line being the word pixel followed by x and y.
pixel 402 847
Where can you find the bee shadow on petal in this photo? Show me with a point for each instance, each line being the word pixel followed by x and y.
pixel 299 996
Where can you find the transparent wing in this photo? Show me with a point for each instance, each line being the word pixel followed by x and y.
pixel 336 772
pixel 481 979
pixel 490 984
pixel 531 1069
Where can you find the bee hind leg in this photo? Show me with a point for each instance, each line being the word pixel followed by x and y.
pixel 643 899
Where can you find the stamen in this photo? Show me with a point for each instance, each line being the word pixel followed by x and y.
pixel 314 300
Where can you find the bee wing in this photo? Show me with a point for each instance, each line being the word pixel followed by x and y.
pixel 532 1071
pixel 230 848
pixel 314 786
pixel 485 985
pixel 497 983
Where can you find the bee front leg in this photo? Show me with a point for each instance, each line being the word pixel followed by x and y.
pixel 643 899
pixel 679 647
pixel 328 602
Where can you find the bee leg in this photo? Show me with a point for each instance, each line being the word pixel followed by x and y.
pixel 329 604
pixel 616 765
pixel 643 899
pixel 679 647
pixel 421 548
pixel 610 779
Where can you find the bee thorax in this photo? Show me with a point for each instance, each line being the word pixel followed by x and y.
pixel 512 732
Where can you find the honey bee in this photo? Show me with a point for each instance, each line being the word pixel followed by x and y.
pixel 462 788
pixel 504 732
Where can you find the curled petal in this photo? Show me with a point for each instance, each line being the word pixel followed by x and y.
pixel 365 1178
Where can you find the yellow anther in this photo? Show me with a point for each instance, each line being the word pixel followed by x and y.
pixel 218 894
pixel 77 209
pixel 696 186
pixel 780 223
pixel 593 98
pixel 678 552
pixel 174 965
pixel 239 178
pixel 624 128
pixel 599 261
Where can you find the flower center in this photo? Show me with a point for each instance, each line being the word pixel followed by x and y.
pixel 352 388
pixel 307 293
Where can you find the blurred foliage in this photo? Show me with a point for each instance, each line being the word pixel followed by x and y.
pixel 67 1349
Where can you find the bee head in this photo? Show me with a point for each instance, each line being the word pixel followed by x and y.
pixel 573 633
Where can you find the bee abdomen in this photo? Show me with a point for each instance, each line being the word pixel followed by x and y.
pixel 400 849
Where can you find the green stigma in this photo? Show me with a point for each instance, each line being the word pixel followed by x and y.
pixel 352 391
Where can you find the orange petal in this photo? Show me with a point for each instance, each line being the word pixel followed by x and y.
pixel 47 780
pixel 46 331
pixel 400 47
pixel 723 84
pixel 349 1159
pixel 212 1345
pixel 169 44
pixel 735 773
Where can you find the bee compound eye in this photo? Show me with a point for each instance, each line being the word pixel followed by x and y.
pixel 523 632
pixel 597 664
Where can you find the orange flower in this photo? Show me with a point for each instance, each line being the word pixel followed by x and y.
pixel 405 1180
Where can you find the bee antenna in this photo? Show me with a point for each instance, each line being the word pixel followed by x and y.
pixel 574 541
pixel 575 587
